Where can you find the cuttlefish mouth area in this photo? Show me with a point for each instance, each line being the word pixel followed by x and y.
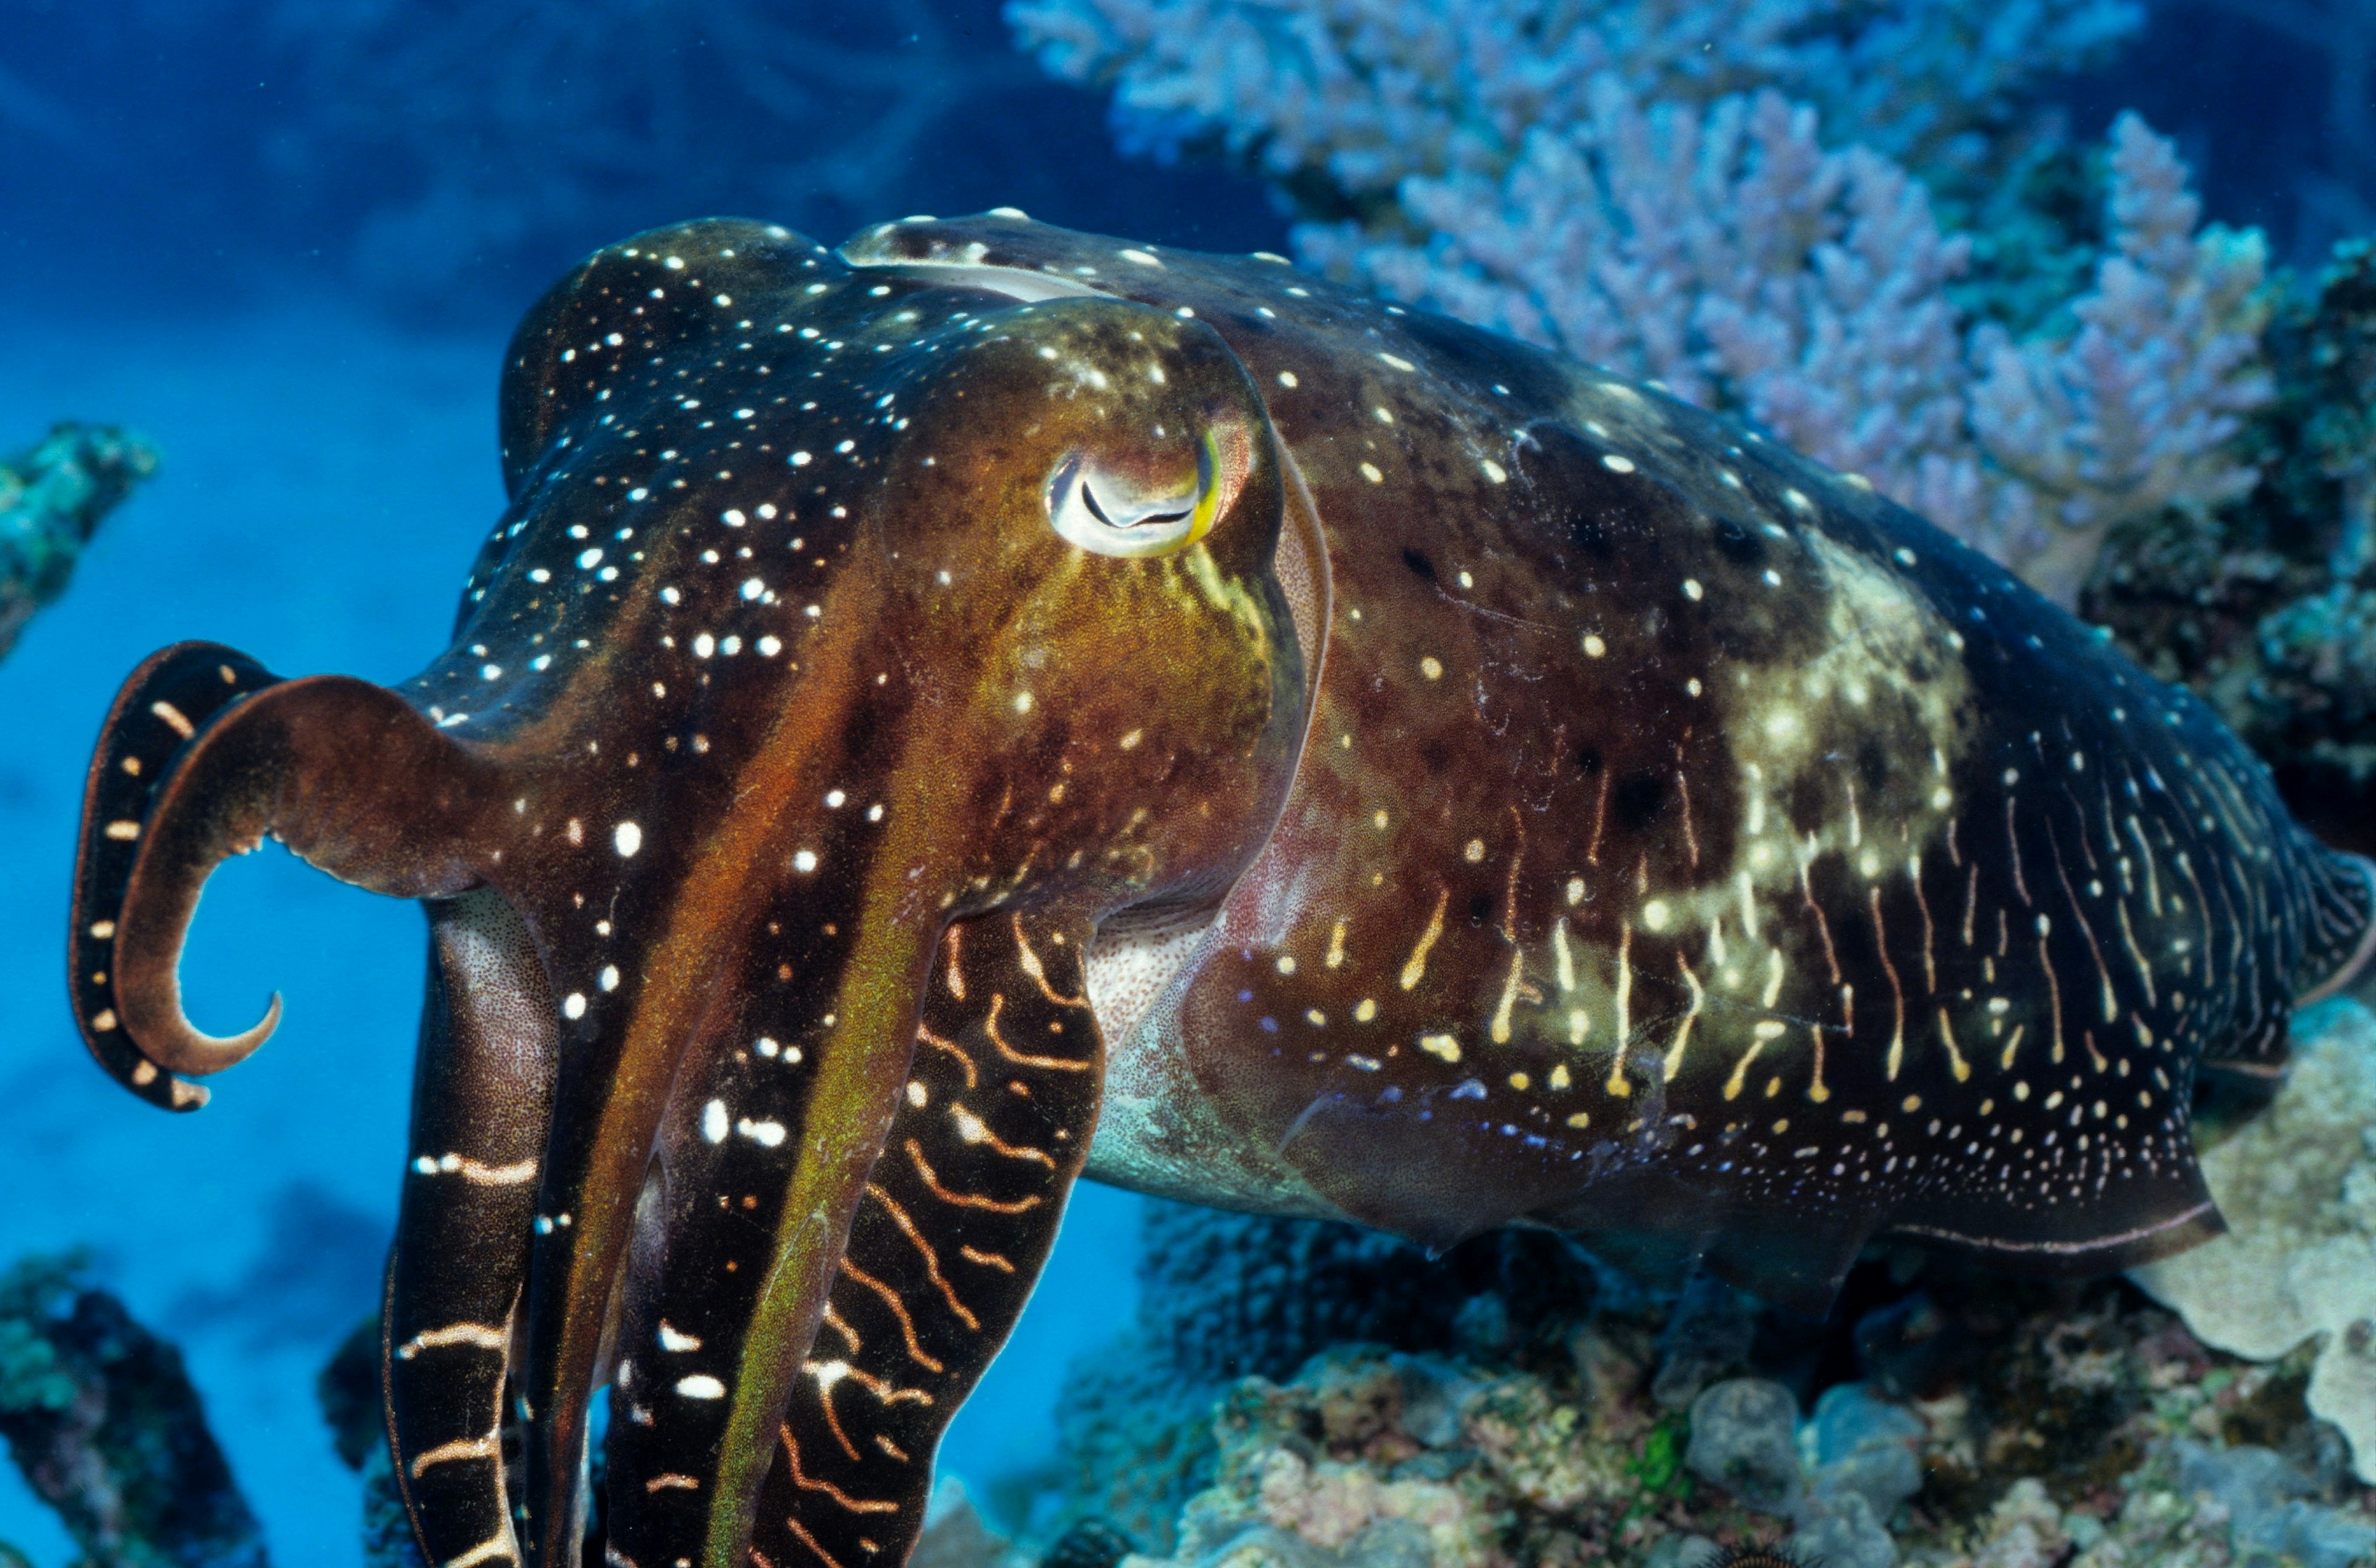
pixel 849 651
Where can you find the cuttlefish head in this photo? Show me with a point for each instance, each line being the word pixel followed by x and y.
pixel 853 647
pixel 1074 561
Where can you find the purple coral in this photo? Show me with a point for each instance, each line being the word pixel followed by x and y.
pixel 1724 252
pixel 1369 92
pixel 2134 410
pixel 1610 184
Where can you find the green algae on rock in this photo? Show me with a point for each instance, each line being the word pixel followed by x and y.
pixel 52 498
pixel 2297 1185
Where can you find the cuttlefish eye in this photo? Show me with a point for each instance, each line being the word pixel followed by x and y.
pixel 1109 510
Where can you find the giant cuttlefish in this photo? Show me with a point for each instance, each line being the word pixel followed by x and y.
pixel 991 703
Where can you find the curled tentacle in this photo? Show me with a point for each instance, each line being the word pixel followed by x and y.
pixel 205 755
pixel 157 711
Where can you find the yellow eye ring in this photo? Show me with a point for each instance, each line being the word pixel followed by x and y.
pixel 1207 509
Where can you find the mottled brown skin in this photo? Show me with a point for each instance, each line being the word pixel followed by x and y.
pixel 996 700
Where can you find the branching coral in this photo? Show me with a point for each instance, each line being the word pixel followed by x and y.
pixel 2133 412
pixel 1611 184
pixel 1366 93
pixel 1725 252
pixel 2268 607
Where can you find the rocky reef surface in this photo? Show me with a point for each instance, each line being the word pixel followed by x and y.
pixel 107 1429
pixel 2297 1266
pixel 1314 1397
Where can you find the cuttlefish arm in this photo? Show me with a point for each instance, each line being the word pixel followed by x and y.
pixel 994 1125
pixel 913 1268
pixel 205 755
pixel 486 1063
pixel 731 738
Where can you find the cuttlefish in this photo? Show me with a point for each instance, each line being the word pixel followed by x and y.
pixel 992 702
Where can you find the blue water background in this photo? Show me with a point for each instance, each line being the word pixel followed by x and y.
pixel 323 395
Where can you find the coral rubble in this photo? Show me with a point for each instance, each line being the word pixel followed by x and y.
pixel 52 498
pixel 106 1425
pixel 1228 1295
pixel 1942 1417
pixel 2297 1186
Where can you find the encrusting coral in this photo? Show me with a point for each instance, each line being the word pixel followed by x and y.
pixel 2297 1186
pixel 1952 1422
pixel 1608 183
pixel 105 1423
pixel 1512 1402
pixel 52 498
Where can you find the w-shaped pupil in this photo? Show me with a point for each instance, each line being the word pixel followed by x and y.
pixel 1089 499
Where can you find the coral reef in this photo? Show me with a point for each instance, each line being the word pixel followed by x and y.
pixel 1612 184
pixel 1092 1543
pixel 1227 1295
pixel 2089 1428
pixel 1725 253
pixel 2264 606
pixel 2055 362
pixel 1241 1294
pixel 1837 1477
pixel 106 1425
pixel 1510 1402
pixel 1362 93
pixel 52 498
pixel 2132 414
pixel 2297 1186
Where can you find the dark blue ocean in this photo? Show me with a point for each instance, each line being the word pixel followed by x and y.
pixel 285 240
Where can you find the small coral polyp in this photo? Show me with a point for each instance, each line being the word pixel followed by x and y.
pixel 991 701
